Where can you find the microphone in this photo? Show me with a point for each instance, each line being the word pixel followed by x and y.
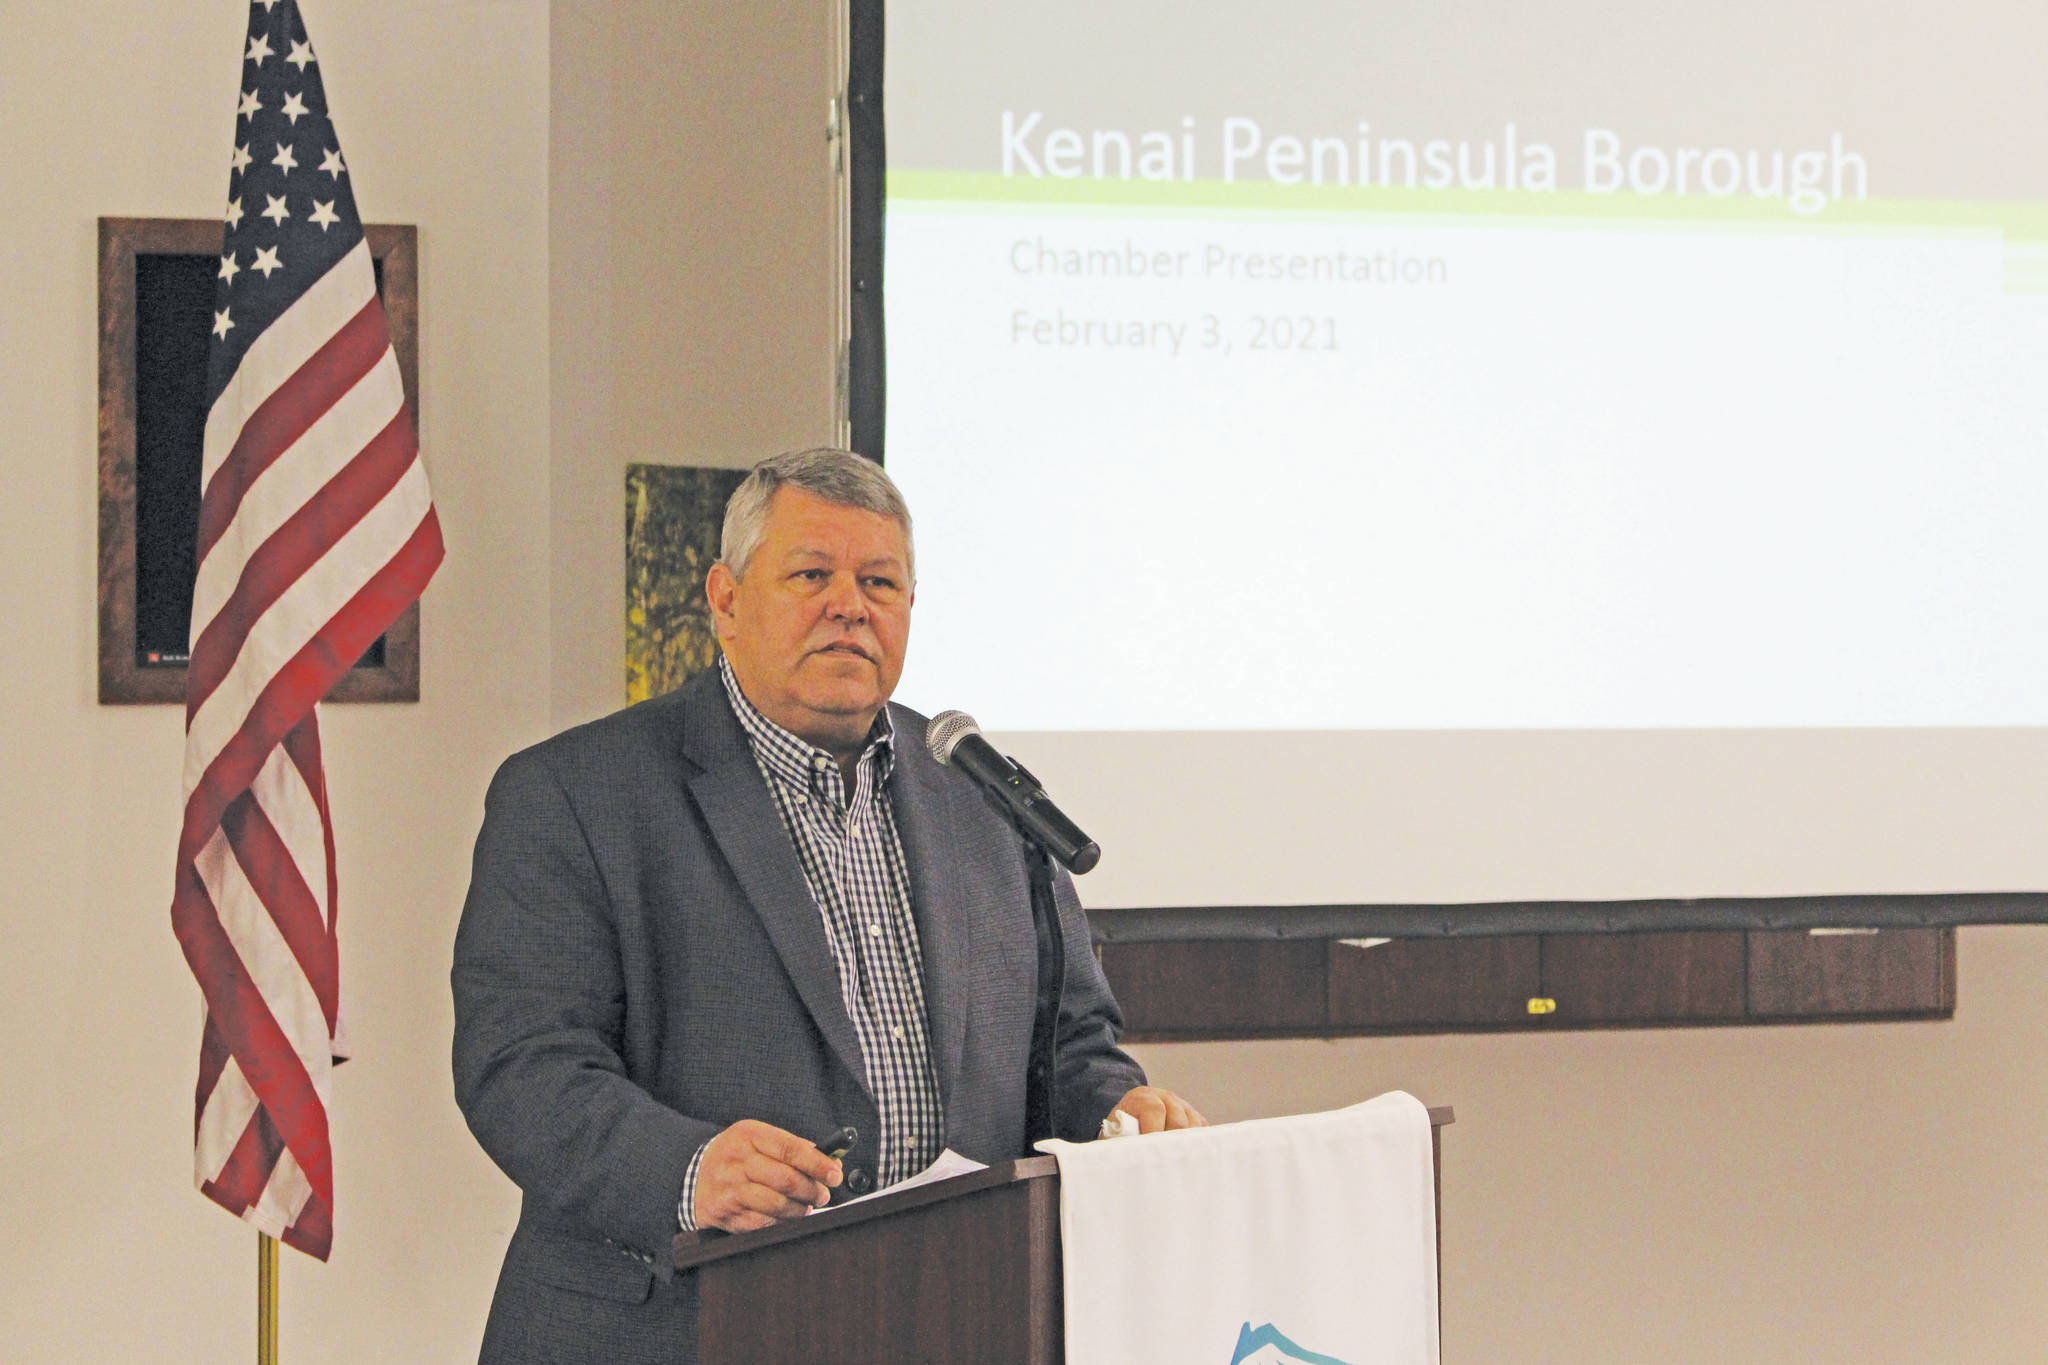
pixel 956 741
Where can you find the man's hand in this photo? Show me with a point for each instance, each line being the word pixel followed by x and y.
pixel 1157 1110
pixel 754 1174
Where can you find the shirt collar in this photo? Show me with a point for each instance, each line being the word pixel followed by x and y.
pixel 796 761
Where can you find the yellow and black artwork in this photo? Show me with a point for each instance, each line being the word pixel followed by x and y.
pixel 673 515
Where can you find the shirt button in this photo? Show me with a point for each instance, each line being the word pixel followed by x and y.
pixel 820 762
pixel 896 1032
pixel 874 929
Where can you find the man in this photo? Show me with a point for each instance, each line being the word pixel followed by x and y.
pixel 705 931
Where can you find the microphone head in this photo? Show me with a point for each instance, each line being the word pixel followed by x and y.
pixel 946 731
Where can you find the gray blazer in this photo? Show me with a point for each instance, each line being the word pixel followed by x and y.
pixel 640 963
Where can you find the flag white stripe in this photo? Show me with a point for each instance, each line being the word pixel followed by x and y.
pixel 287 802
pixel 271 966
pixel 284 1195
pixel 229 1107
pixel 285 346
pixel 336 437
pixel 300 611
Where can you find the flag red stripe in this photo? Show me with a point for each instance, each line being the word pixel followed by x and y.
pixel 280 885
pixel 302 747
pixel 247 1169
pixel 213 1059
pixel 266 1056
pixel 285 415
pixel 222 1198
pixel 313 1233
pixel 307 677
pixel 296 546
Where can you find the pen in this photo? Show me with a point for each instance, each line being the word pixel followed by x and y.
pixel 838 1143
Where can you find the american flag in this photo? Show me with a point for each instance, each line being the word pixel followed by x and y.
pixel 316 529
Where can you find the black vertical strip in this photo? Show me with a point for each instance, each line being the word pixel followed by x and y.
pixel 1042 1070
pixel 867 370
pixel 173 339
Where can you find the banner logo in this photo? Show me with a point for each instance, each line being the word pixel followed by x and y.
pixel 1268 1345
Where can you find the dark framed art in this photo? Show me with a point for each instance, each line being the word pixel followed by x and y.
pixel 155 298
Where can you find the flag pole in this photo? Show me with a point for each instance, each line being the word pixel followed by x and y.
pixel 266 1299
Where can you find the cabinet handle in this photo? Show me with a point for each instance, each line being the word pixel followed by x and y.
pixel 1539 1004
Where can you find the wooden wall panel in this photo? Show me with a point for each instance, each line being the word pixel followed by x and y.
pixel 1644 978
pixel 1181 989
pixel 1797 974
pixel 1309 988
pixel 1410 982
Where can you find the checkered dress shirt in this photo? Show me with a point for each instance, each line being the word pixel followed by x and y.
pixel 853 860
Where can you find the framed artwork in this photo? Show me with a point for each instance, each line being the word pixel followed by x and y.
pixel 156 280
pixel 674 516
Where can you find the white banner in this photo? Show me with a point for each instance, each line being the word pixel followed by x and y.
pixel 1303 1239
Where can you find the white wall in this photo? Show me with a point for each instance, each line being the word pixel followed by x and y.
pixel 624 226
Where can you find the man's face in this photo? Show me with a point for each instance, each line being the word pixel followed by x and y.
pixel 815 631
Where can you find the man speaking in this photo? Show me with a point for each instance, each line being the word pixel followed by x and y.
pixel 708 930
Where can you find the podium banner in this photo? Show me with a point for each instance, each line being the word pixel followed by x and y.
pixel 1270 1242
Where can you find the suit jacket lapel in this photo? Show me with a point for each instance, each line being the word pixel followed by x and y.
pixel 924 802
pixel 730 791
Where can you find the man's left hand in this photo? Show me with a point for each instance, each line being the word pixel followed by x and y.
pixel 1157 1110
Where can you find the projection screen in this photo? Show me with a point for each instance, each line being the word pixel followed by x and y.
pixel 1451 452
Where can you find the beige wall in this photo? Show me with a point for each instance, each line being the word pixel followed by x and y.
pixel 691 230
pixel 624 225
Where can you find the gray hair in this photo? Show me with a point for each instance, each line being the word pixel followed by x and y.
pixel 835 475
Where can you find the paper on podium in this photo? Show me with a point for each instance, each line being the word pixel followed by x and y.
pixel 1290 1239
pixel 949 1164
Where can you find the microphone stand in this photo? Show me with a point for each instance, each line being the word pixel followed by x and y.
pixel 1041 1072
pixel 1041 1095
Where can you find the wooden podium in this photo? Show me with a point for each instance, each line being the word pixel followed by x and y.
pixel 966 1269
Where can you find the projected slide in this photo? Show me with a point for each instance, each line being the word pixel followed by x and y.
pixel 1379 366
